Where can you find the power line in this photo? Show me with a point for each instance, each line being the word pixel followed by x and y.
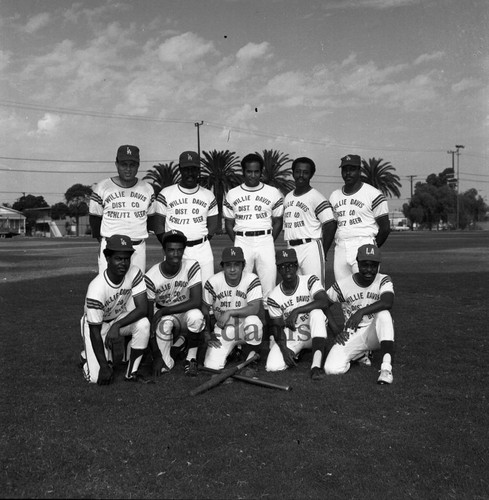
pixel 48 160
pixel 96 114
pixel 222 126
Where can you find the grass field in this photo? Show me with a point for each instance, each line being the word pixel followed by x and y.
pixel 426 436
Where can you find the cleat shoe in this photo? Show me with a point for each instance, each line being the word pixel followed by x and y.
pixel 139 379
pixel 364 359
pixel 83 359
pixel 190 368
pixel 235 355
pixel 316 373
pixel 385 377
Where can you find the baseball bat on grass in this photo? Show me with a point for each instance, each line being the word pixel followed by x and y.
pixel 221 377
pixel 252 380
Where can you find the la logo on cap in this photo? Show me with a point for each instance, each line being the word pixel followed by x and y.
pixel 123 242
pixel 370 251
pixel 285 253
pixel 347 158
pixel 129 152
pixel 189 157
pixel 233 252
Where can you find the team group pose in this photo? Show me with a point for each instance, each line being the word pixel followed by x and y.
pixel 180 309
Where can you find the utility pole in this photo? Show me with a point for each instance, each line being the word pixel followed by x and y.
pixel 198 125
pixel 458 147
pixel 411 177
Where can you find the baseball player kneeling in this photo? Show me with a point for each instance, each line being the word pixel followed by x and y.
pixel 235 296
pixel 174 289
pixel 368 297
pixel 115 307
pixel 297 320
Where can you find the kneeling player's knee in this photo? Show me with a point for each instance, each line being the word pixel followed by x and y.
pixel 253 330
pixel 195 321
pixel 335 366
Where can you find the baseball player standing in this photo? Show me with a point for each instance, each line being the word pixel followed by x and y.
pixel 123 205
pixel 174 290
pixel 298 322
pixel 235 296
pixel 191 209
pixel 253 214
pixel 368 297
pixel 115 307
pixel 361 216
pixel 306 212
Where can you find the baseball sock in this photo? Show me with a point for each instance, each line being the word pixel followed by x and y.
pixel 387 350
pixel 192 353
pixel 249 350
pixel 318 346
pixel 180 340
pixel 134 361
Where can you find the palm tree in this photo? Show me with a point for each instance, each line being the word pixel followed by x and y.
pixel 220 173
pixel 163 175
pixel 274 171
pixel 380 175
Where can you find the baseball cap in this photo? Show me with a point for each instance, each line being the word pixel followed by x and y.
pixel 127 152
pixel 189 159
pixel 173 235
pixel 368 252
pixel 232 254
pixel 352 160
pixel 119 243
pixel 285 255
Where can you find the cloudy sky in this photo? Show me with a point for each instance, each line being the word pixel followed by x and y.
pixel 402 80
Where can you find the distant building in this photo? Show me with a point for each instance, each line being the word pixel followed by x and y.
pixel 12 222
pixel 398 221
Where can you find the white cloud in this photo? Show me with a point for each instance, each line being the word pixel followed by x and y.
pixel 253 51
pixel 243 66
pixel 4 59
pixel 423 58
pixel 37 22
pixel 48 124
pixel 369 4
pixel 466 84
pixel 350 84
pixel 184 49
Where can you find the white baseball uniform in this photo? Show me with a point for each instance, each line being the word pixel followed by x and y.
pixel 106 302
pixel 171 290
pixel 123 211
pixel 373 328
pixel 187 210
pixel 308 325
pixel 222 297
pixel 252 211
pixel 355 215
pixel 304 216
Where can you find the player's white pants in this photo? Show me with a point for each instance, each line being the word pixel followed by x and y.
pixel 298 339
pixel 259 254
pixel 345 256
pixel 174 324
pixel 311 258
pixel 138 258
pixel 139 332
pixel 366 338
pixel 202 253
pixel 247 330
